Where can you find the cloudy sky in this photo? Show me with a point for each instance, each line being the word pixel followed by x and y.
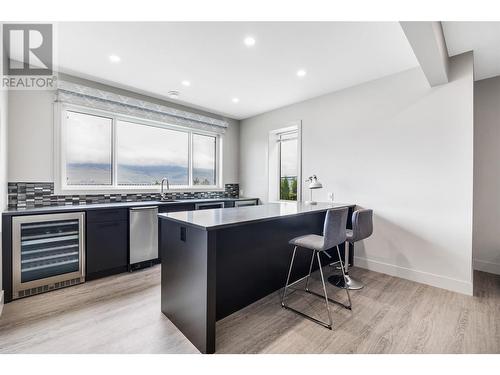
pixel 89 141
pixel 289 158
pixel 148 145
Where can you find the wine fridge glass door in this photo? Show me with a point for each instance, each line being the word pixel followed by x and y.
pixel 47 250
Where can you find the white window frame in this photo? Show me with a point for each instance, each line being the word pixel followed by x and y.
pixel 274 161
pixel 61 187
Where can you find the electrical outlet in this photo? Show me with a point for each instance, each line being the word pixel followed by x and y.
pixel 330 196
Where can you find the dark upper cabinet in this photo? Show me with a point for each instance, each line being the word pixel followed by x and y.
pixel 107 241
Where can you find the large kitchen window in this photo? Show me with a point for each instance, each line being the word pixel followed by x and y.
pixel 101 152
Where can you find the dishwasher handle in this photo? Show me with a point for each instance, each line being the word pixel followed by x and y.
pixel 144 208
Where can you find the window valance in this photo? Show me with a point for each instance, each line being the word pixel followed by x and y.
pixel 68 92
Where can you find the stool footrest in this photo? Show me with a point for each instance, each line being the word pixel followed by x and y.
pixel 329 299
pixel 298 281
pixel 326 325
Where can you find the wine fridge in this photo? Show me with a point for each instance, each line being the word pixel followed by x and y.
pixel 48 252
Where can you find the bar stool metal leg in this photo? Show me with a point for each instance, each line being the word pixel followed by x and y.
pixel 287 285
pixel 288 277
pixel 345 281
pixel 324 290
pixel 349 306
pixel 310 270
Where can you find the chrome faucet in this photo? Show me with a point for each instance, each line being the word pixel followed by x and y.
pixel 162 193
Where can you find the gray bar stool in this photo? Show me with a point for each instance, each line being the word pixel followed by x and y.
pixel 362 227
pixel 334 233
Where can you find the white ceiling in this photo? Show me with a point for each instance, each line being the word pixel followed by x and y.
pixel 157 57
pixel 481 37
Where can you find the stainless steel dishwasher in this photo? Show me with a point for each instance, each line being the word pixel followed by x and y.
pixel 143 236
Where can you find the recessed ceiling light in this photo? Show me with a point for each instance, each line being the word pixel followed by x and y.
pixel 186 83
pixel 173 94
pixel 249 41
pixel 235 100
pixel 114 58
pixel 301 73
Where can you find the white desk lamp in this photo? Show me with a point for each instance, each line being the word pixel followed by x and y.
pixel 313 184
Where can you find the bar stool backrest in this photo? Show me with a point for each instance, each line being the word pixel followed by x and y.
pixel 362 224
pixel 334 230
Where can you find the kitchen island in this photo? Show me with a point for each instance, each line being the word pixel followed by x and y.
pixel 216 262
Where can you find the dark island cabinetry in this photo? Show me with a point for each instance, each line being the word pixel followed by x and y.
pixel 216 262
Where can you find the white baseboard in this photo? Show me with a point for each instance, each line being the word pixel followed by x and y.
pixel 1 302
pixel 438 281
pixel 490 267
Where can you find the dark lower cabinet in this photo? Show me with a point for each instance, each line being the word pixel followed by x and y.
pixel 107 247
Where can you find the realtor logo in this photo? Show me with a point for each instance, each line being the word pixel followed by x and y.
pixel 27 49
pixel 28 56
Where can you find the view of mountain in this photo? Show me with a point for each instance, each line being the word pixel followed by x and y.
pixel 151 174
pixel 100 174
pixel 88 174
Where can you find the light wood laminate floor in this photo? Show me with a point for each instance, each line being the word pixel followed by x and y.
pixel 121 314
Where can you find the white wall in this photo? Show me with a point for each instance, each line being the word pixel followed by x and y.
pixel 486 241
pixel 31 137
pixel 397 146
pixel 3 171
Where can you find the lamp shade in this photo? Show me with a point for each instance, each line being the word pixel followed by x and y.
pixel 315 184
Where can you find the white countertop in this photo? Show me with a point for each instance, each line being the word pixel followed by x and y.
pixel 224 217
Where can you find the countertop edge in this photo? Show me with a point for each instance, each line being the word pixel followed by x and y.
pixel 103 206
pixel 260 220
